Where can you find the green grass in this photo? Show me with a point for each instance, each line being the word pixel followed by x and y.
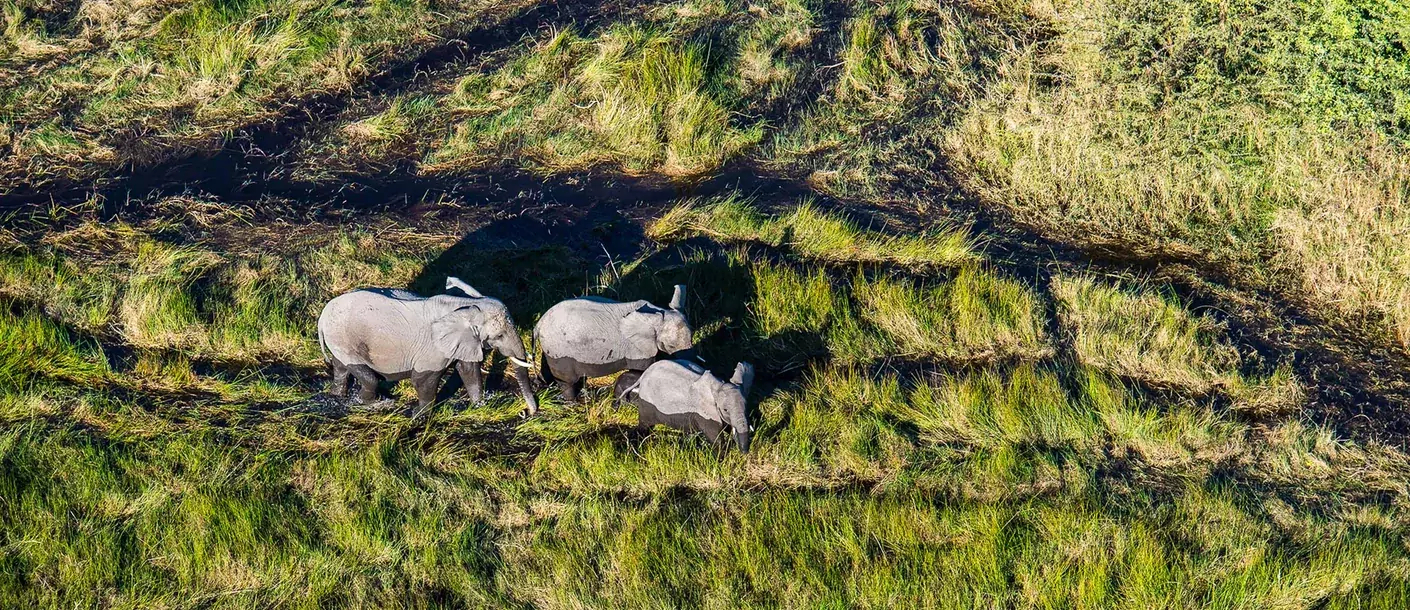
pixel 35 348
pixel 1156 340
pixel 191 76
pixel 403 518
pixel 666 95
pixel 633 97
pixel 936 427
pixel 1263 138
pixel 814 234
pixel 247 306
pixel 973 317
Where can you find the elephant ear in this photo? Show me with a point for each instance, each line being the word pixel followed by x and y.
pixel 457 335
pixel 743 377
pixel 639 331
pixel 702 395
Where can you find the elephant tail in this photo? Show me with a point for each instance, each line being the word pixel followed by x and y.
pixel 544 377
pixel 636 384
pixel 323 343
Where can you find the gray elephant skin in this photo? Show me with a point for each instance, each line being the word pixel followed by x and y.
pixel 683 395
pixel 394 334
pixel 594 337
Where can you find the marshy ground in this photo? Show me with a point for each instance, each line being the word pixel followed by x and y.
pixel 1054 304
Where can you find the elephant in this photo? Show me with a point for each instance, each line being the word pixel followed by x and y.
pixel 395 334
pixel 685 396
pixel 594 337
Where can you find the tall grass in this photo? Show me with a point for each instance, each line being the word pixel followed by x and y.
pixel 1155 339
pixel 789 300
pixel 1261 138
pixel 202 71
pixel 634 97
pixel 768 66
pixel 242 306
pixel 383 525
pixel 814 234
pixel 36 348
pixel 974 317
pixel 905 72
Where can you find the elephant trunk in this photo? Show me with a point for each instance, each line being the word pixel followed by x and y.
pixel 521 374
pixel 519 358
pixel 742 439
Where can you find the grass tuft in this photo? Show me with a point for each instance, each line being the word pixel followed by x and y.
pixel 634 97
pixel 36 348
pixel 974 317
pixel 814 234
pixel 1143 335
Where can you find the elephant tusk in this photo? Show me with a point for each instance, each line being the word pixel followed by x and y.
pixel 524 363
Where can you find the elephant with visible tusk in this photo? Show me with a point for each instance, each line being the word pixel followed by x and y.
pixel 685 396
pixel 394 334
pixel 594 337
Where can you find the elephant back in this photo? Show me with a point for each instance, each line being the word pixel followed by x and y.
pixel 379 327
pixel 669 385
pixel 584 328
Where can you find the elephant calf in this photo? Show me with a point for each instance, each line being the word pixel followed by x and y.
pixel 394 334
pixel 684 396
pixel 594 337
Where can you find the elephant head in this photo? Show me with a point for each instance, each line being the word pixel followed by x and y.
pixel 651 330
pixel 730 400
pixel 742 380
pixel 465 333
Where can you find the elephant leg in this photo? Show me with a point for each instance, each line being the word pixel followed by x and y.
pixel 572 390
pixel 341 379
pixel 712 431
pixel 366 383
pixel 473 379
pixel 646 415
pixel 426 385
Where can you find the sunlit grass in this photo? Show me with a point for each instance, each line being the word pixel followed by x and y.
pixel 185 79
pixel 813 234
pixel 921 440
pixel 975 316
pixel 34 348
pixel 153 295
pixel 385 522
pixel 1190 131
pixel 633 97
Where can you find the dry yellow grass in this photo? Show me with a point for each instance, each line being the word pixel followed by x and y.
pixel 1348 242
pixel 1233 180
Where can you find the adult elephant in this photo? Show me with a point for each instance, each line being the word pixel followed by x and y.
pixel 592 337
pixel 394 334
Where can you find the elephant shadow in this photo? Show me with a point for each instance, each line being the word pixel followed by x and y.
pixel 532 262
